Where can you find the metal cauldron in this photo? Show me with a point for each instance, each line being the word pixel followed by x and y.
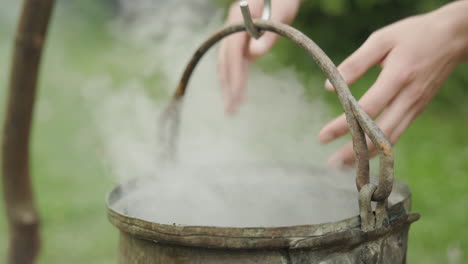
pixel 343 241
pixel 373 236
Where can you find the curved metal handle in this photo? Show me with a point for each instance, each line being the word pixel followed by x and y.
pixel 358 120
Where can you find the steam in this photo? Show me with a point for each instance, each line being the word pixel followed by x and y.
pixel 245 170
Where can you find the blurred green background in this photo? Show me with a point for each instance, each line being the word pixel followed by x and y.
pixel 71 182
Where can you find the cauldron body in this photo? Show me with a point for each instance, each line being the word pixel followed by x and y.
pixel 343 241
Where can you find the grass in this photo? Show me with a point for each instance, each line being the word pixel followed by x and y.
pixel 70 181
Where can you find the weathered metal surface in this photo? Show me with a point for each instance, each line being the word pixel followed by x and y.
pixel 148 242
pixel 387 249
pixel 365 207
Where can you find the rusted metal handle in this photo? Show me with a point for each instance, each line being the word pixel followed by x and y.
pixel 359 122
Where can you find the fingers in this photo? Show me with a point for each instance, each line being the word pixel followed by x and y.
pixel 372 52
pixel 342 158
pixel 387 86
pixel 232 68
pixel 232 61
pixel 237 70
pixel 259 47
pixel 402 124
pixel 236 51
pixel 283 11
pixel 333 130
pixel 223 70
pixel 393 122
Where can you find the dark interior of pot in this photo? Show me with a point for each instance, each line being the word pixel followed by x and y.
pixel 240 195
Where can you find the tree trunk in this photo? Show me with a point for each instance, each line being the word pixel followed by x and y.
pixel 23 220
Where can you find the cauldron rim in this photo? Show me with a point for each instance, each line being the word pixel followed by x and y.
pixel 346 231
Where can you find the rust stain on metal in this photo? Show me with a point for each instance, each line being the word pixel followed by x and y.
pixel 386 148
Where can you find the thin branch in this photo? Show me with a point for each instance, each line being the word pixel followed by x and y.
pixel 23 219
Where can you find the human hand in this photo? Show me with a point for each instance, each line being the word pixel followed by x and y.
pixel 416 55
pixel 238 51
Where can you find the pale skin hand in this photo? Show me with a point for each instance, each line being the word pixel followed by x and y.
pixel 238 51
pixel 416 55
